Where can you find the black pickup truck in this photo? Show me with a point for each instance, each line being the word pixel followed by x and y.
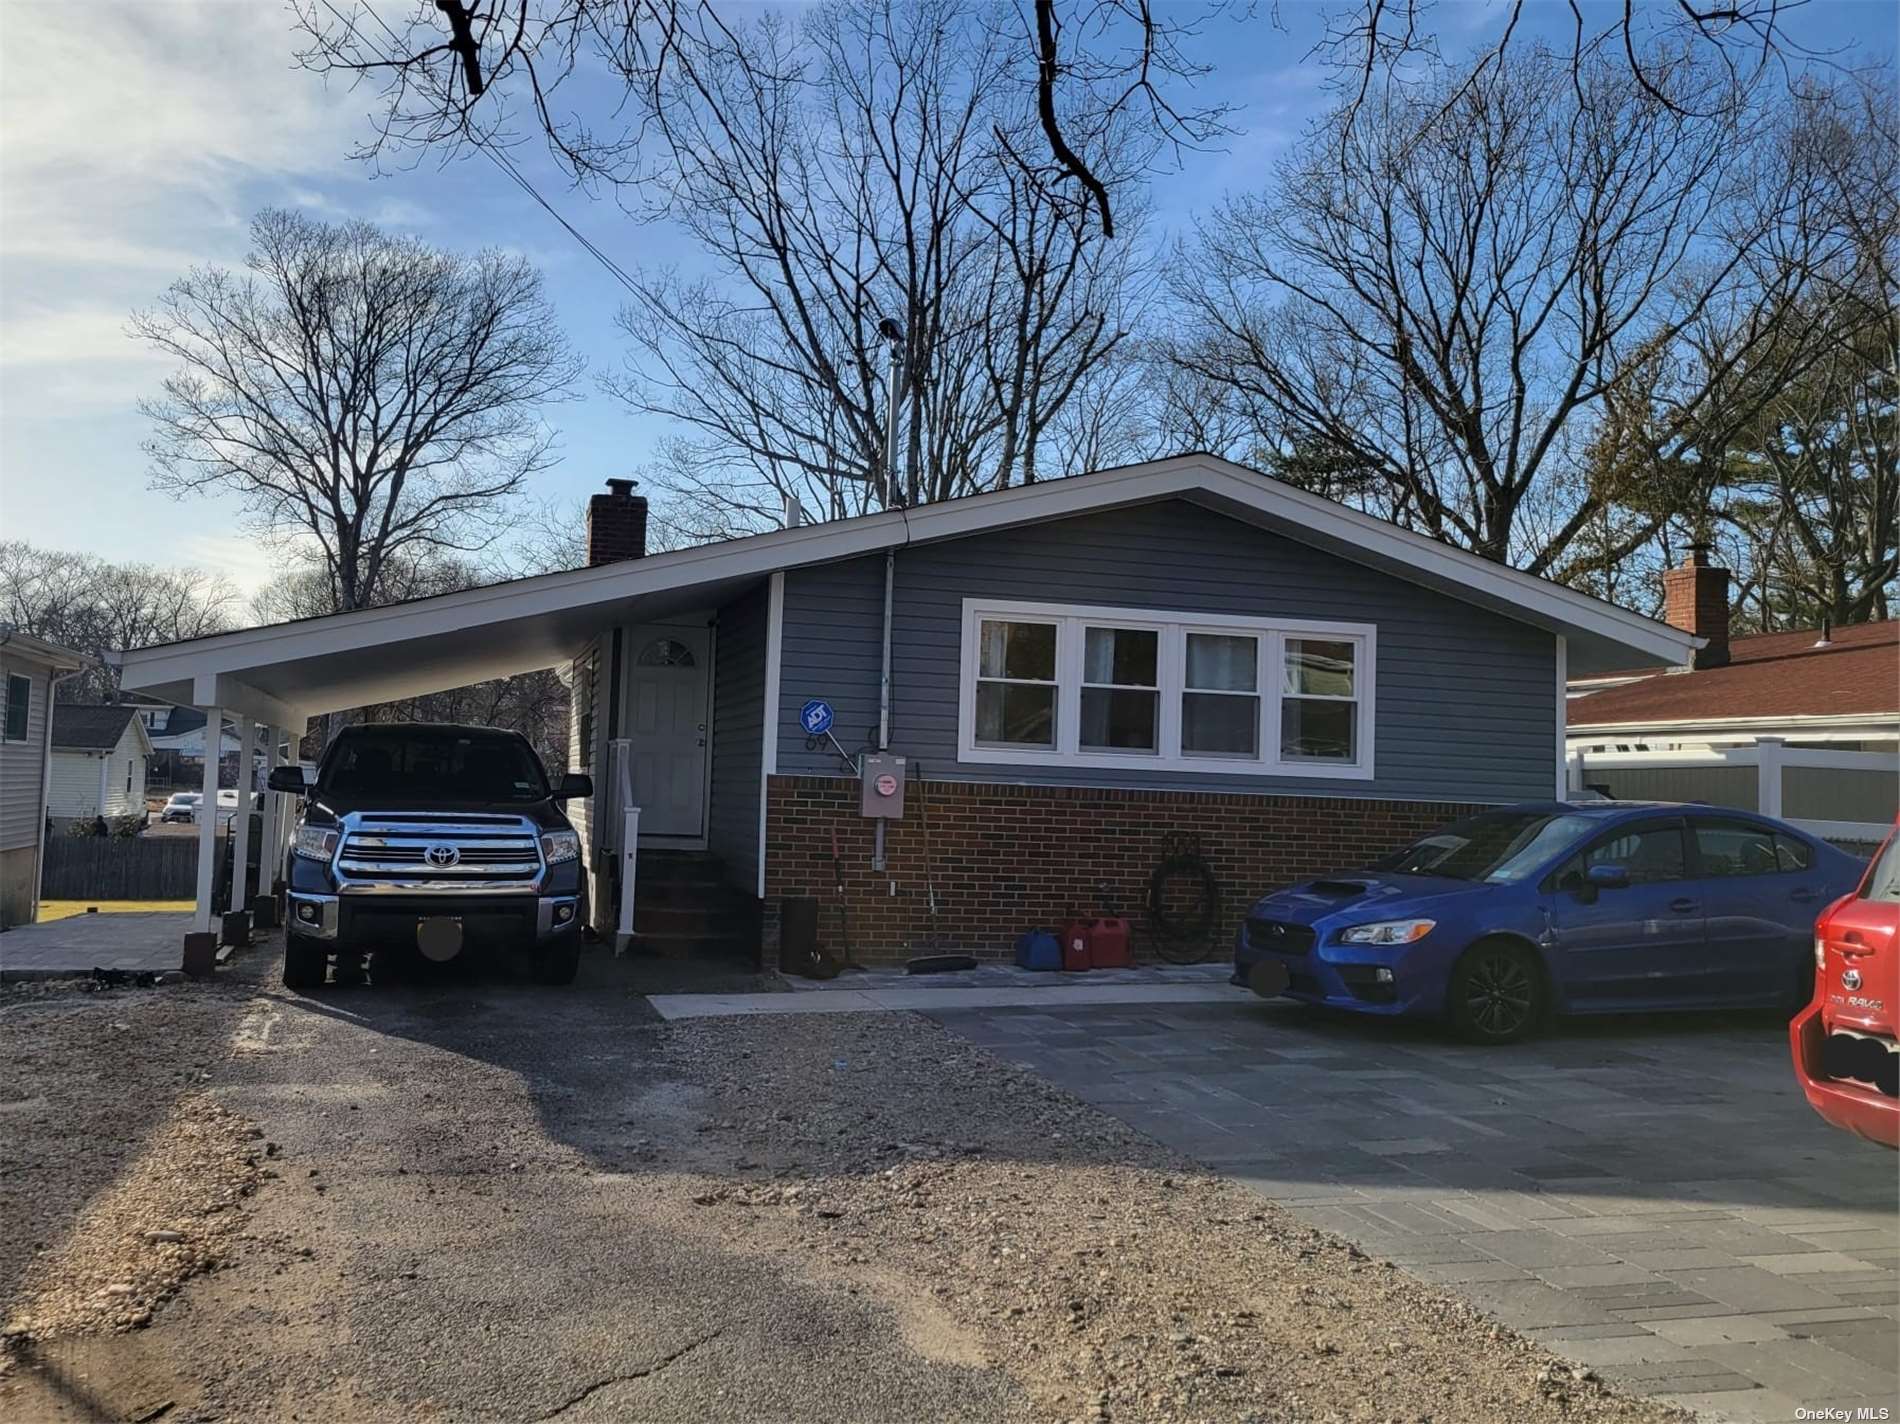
pixel 431 840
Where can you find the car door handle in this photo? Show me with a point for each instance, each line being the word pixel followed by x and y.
pixel 1802 896
pixel 1683 905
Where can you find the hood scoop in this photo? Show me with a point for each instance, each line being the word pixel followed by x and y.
pixel 1339 888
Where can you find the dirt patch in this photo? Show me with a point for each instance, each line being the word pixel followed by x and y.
pixel 1008 1222
pixel 122 1178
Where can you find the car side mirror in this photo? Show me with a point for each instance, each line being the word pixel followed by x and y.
pixel 574 786
pixel 288 778
pixel 1607 877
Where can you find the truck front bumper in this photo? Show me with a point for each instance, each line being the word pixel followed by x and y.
pixel 389 919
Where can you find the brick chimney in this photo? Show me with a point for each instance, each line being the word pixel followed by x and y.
pixel 1695 599
pixel 617 524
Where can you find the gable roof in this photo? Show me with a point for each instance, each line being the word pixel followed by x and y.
pixel 85 727
pixel 289 671
pixel 1769 675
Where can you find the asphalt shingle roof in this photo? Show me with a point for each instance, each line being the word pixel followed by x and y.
pixel 83 727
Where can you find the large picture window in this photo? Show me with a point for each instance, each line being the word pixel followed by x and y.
pixel 1058 684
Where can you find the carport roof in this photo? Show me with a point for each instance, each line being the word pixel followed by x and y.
pixel 286 672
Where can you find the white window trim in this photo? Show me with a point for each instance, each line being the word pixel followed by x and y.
pixel 1173 628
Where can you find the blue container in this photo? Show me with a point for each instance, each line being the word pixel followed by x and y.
pixel 1039 950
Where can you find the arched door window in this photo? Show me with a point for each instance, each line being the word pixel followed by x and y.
pixel 665 652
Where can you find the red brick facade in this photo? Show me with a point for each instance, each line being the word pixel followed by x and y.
pixel 1009 858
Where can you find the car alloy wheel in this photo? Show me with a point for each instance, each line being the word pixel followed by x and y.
pixel 1500 996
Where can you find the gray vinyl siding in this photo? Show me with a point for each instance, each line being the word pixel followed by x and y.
pixel 23 763
pixel 1466 700
pixel 738 728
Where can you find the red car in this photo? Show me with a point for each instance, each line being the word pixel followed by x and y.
pixel 1845 1053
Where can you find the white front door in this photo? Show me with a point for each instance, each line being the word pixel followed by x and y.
pixel 669 669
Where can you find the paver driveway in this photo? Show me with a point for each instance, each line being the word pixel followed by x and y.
pixel 1650 1197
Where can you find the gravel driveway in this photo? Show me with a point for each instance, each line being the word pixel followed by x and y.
pixel 484 1200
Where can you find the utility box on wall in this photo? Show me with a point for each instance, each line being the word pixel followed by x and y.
pixel 882 787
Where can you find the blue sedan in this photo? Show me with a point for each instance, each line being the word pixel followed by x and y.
pixel 1594 907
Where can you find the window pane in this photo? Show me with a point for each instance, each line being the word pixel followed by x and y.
pixel 19 699
pixel 1792 854
pixel 1318 731
pixel 1119 720
pixel 1012 712
pixel 1026 650
pixel 1731 848
pixel 1217 724
pixel 1319 669
pixel 1220 663
pixel 1123 655
pixel 1649 854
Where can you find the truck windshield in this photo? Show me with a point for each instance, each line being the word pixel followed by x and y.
pixel 434 766
pixel 1498 847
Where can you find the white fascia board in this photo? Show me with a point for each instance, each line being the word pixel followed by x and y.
pixel 1874 723
pixel 551 595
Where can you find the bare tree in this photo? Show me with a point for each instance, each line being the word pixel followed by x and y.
pixel 96 607
pixel 1440 295
pixel 363 390
pixel 476 73
pixel 845 174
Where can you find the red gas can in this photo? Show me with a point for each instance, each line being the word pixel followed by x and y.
pixel 1109 943
pixel 1075 945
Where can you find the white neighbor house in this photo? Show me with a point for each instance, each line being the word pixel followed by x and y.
pixel 98 764
pixel 30 669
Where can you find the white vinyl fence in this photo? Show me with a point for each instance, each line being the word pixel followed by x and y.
pixel 1846 797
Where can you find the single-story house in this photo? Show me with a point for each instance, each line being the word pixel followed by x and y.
pixel 30 671
pixel 1803 724
pixel 1072 672
pixel 98 767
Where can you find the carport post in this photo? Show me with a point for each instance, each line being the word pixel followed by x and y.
pixel 267 856
pixel 208 819
pixel 241 824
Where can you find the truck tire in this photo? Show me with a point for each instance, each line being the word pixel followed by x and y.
pixel 556 963
pixel 306 961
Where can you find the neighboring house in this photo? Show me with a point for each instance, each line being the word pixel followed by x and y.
pixel 178 744
pixel 30 671
pixel 99 755
pixel 1801 724
pixel 1073 671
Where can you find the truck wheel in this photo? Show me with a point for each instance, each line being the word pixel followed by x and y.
pixel 556 963
pixel 305 962
pixel 1497 994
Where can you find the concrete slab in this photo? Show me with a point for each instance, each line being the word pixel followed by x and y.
pixel 895 1000
pixel 1654 1200
pixel 149 941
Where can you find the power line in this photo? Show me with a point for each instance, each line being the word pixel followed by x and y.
pixel 493 155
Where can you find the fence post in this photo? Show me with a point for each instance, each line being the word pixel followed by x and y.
pixel 1573 778
pixel 1768 752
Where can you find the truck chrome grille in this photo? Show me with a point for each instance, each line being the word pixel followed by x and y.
pixel 411 851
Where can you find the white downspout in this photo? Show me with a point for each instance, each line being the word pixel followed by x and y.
pixel 46 788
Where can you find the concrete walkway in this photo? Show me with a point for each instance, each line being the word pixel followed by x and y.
pixel 1651 1197
pixel 150 940
pixel 1067 995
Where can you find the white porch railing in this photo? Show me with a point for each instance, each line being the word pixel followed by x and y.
pixel 1842 796
pixel 622 824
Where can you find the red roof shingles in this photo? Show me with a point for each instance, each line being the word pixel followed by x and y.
pixel 1768 675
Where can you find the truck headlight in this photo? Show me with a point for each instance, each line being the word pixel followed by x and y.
pixel 1387 932
pixel 557 846
pixel 315 842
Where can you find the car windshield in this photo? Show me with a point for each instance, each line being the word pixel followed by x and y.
pixel 1883 876
pixel 1497 847
pixel 434 766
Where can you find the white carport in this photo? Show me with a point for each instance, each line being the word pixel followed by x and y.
pixel 279 677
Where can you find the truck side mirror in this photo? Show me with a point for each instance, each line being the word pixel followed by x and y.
pixel 288 778
pixel 574 786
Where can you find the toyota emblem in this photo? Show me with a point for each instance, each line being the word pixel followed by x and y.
pixel 442 856
pixel 1850 979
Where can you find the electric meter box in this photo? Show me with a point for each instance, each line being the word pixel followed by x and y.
pixel 883 787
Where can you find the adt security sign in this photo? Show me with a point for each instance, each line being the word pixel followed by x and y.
pixel 815 717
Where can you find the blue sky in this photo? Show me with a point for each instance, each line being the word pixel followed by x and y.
pixel 140 137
